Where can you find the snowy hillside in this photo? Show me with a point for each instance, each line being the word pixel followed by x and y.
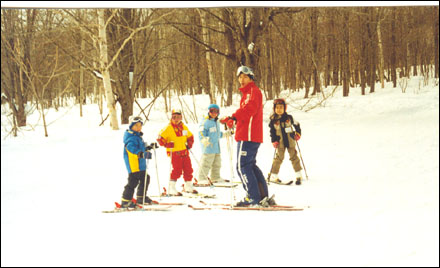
pixel 373 191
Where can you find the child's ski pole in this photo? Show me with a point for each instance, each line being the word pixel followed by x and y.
pixel 302 161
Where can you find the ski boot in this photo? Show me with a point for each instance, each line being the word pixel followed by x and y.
pixel 127 204
pixel 246 202
pixel 147 201
pixel 298 178
pixel 274 178
pixel 172 189
pixel 188 188
pixel 268 201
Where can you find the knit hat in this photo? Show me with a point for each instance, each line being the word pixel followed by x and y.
pixel 133 120
pixel 279 101
pixel 176 111
pixel 215 106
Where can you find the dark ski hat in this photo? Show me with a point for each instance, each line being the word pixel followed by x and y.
pixel 279 101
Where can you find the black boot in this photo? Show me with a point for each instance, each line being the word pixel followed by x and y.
pixel 147 200
pixel 127 204
pixel 298 181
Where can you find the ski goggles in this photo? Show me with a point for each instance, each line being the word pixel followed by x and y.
pixel 137 119
pixel 214 110
pixel 246 70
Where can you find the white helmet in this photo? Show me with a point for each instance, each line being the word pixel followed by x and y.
pixel 246 70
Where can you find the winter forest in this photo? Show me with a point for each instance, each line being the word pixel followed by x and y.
pixel 114 56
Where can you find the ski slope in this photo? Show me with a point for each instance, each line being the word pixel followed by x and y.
pixel 373 190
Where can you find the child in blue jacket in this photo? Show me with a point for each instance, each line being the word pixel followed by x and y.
pixel 209 135
pixel 135 155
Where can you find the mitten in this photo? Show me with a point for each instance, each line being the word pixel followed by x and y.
pixel 205 141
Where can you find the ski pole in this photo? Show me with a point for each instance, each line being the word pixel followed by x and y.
pixel 200 168
pixel 270 172
pixel 230 164
pixel 157 172
pixel 302 161
pixel 171 164
pixel 145 183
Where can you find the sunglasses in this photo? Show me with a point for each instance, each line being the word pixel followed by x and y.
pixel 176 116
pixel 213 110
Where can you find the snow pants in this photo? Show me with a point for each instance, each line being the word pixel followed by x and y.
pixel 279 157
pixel 250 174
pixel 135 179
pixel 181 163
pixel 210 162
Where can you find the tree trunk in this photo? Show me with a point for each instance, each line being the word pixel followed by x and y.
pixel 436 33
pixel 380 48
pixel 81 80
pixel 393 48
pixel 346 56
pixel 314 33
pixel 105 71
pixel 209 61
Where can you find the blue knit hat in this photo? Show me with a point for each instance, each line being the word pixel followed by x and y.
pixel 215 106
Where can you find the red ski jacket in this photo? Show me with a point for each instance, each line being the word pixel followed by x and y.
pixel 250 115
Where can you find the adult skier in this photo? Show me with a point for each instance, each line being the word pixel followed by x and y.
pixel 249 135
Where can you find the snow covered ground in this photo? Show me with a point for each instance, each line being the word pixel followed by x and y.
pixel 373 191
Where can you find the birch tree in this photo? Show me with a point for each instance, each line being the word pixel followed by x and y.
pixel 102 24
pixel 205 37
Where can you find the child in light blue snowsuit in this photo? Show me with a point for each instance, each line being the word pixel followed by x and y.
pixel 209 135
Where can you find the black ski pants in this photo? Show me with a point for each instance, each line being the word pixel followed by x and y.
pixel 136 179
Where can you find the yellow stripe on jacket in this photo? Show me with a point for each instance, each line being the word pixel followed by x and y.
pixel 133 160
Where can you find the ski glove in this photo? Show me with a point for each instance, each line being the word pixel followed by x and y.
pixel 297 136
pixel 275 144
pixel 151 146
pixel 146 155
pixel 229 121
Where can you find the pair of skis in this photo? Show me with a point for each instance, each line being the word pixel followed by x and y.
pixel 212 206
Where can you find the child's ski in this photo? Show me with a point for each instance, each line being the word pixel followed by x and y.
pixel 119 209
pixel 185 194
pixel 217 184
pixel 278 181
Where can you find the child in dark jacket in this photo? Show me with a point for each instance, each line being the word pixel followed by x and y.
pixel 135 154
pixel 284 132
